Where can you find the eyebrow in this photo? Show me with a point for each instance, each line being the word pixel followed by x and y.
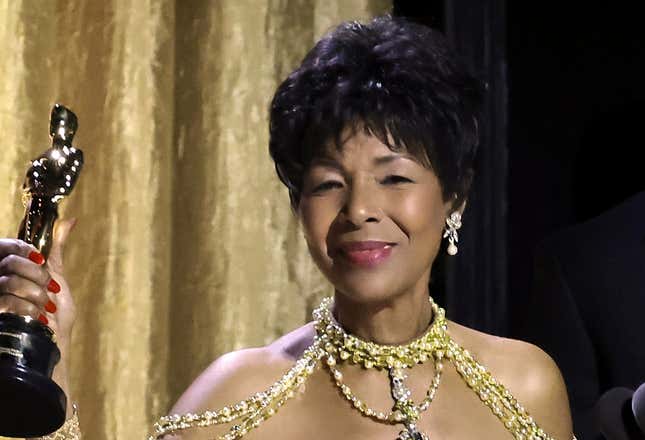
pixel 325 161
pixel 391 158
pixel 382 160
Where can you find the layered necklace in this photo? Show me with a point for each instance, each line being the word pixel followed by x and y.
pixel 395 359
pixel 333 346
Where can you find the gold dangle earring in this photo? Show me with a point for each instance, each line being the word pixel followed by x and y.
pixel 453 223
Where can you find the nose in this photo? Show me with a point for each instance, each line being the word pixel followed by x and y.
pixel 361 204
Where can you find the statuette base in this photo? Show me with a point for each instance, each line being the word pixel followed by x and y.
pixel 32 405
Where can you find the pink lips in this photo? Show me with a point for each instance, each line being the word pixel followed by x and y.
pixel 366 253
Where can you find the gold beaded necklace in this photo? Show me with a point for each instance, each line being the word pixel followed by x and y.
pixel 335 346
pixel 395 358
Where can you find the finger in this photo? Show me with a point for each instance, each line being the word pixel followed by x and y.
pixel 17 265
pixel 18 306
pixel 25 290
pixel 14 246
pixel 62 230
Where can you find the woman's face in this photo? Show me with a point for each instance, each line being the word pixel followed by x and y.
pixel 373 219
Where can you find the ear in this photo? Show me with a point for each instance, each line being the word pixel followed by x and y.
pixel 455 205
pixel 461 207
pixel 459 203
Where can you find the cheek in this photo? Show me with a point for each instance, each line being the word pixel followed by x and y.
pixel 316 217
pixel 421 219
pixel 421 216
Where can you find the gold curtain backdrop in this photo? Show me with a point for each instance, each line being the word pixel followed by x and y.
pixel 185 246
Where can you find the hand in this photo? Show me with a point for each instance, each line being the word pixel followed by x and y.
pixel 30 286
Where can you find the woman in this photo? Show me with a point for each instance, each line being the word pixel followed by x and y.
pixel 375 136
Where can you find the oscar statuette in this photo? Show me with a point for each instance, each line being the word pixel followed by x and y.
pixel 31 403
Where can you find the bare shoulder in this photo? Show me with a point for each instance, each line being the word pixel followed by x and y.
pixel 231 378
pixel 527 372
pixel 237 375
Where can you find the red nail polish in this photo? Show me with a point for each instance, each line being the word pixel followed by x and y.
pixel 53 286
pixel 36 257
pixel 50 307
pixel 42 318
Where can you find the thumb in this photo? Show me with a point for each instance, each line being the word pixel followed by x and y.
pixel 62 229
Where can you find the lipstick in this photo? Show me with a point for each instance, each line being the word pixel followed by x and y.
pixel 366 253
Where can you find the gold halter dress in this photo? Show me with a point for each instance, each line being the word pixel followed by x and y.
pixel 332 345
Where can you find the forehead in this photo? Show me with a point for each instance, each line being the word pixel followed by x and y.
pixel 361 146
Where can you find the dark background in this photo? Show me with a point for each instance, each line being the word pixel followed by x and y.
pixel 561 143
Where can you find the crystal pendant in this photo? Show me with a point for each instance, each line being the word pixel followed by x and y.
pixel 402 396
pixel 411 433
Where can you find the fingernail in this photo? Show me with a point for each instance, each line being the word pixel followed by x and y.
pixel 53 286
pixel 42 318
pixel 50 307
pixel 36 257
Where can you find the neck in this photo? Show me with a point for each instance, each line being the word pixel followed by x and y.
pixel 397 321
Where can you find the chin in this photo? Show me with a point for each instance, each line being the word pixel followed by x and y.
pixel 365 288
pixel 369 285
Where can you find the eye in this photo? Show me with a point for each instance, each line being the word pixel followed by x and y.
pixel 394 180
pixel 327 185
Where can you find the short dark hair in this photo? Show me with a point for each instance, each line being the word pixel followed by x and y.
pixel 399 81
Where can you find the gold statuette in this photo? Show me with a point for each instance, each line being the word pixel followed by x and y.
pixel 32 404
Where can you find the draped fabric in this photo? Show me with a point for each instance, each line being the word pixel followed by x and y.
pixel 185 246
pixel 476 283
